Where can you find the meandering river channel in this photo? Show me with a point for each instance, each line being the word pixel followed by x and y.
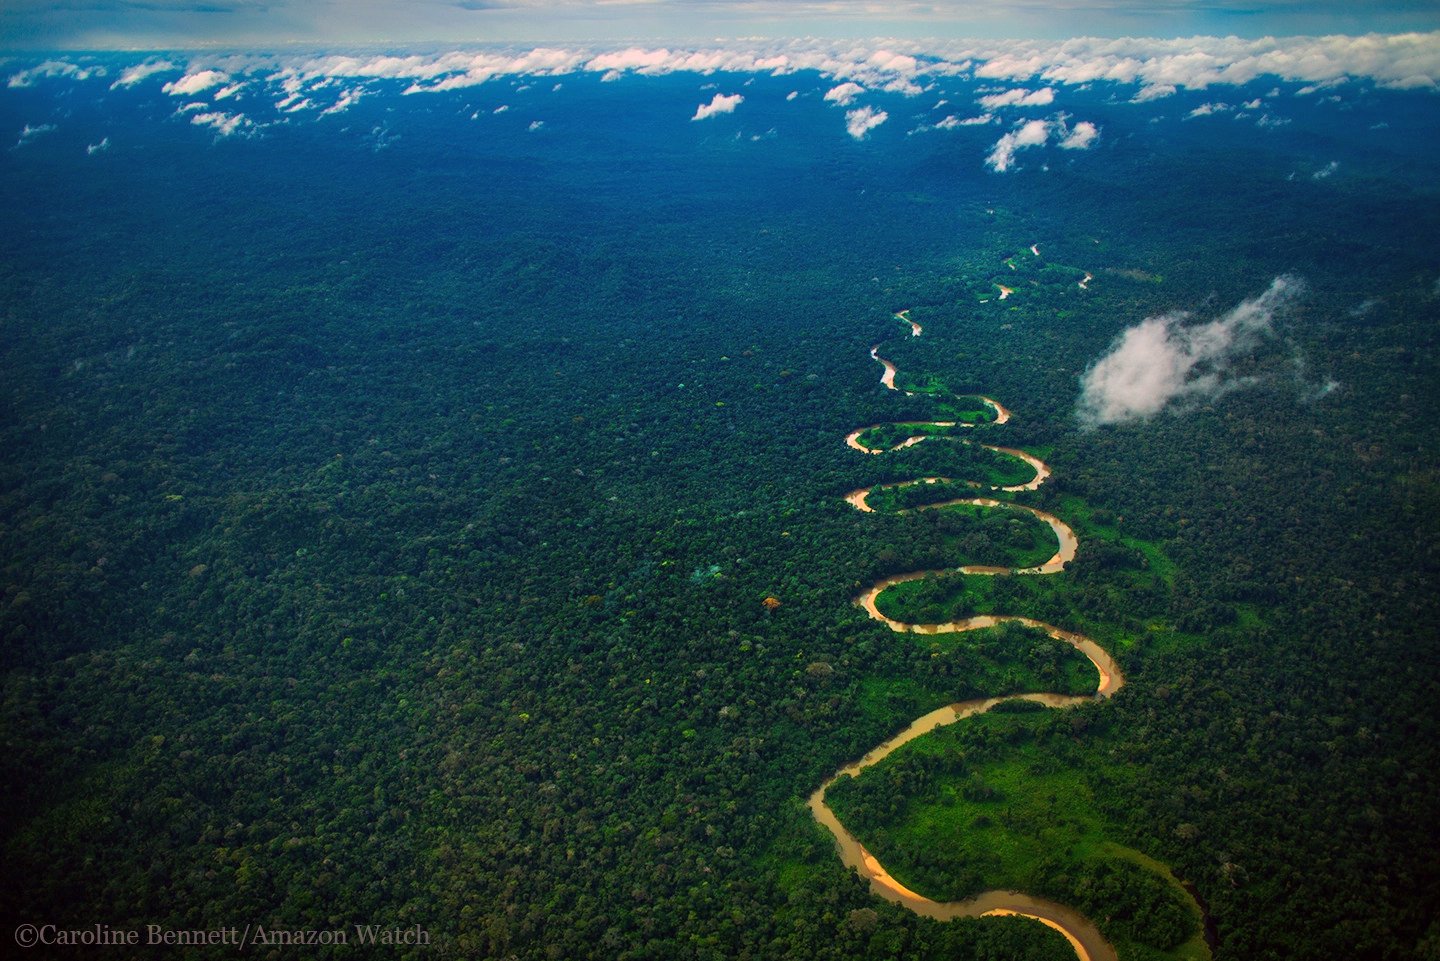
pixel 1083 936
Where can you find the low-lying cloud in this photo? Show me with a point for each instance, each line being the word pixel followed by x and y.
pixel 859 122
pixel 1032 133
pixel 193 83
pixel 1037 133
pixel 1019 97
pixel 720 103
pixel 1081 137
pixel 224 124
pixel 133 75
pixel 1162 362
pixel 30 133
pixel 844 94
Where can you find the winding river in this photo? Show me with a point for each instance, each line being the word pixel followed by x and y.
pixel 1083 936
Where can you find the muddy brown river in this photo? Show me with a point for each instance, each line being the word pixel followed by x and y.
pixel 1084 937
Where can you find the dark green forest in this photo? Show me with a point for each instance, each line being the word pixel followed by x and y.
pixel 388 537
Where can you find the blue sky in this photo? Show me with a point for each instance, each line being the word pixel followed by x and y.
pixel 92 24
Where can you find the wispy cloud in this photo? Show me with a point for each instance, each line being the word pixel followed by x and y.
pixel 133 75
pixel 94 148
pixel 859 122
pixel 54 68
pixel 1153 91
pixel 1018 97
pixel 224 124
pixel 348 99
pixel 1036 133
pixel 720 103
pixel 30 133
pixel 1207 109
pixel 1032 133
pixel 1162 361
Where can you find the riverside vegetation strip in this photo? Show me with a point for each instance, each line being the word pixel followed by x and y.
pixel 1082 934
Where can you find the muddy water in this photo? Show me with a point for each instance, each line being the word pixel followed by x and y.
pixel 915 328
pixel 857 498
pixel 1085 284
pixel 1083 936
pixel 887 378
pixel 1005 291
pixel 1068 543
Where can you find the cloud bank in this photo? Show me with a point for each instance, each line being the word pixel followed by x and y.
pixel 1156 68
pixel 1161 362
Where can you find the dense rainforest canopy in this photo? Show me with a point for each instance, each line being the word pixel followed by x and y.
pixel 419 519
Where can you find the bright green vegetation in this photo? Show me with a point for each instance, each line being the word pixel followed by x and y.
pixel 886 436
pixel 1116 589
pixel 996 469
pixel 992 536
pixel 948 405
pixel 946 668
pixel 996 803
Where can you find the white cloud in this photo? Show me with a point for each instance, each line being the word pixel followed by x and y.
pixel 951 122
pixel 192 107
pixel 1032 133
pixel 1082 137
pixel 720 103
pixel 859 122
pixel 1326 171
pixel 634 58
pixel 1199 62
pixel 225 124
pixel 1159 361
pixel 348 99
pixel 844 94
pixel 904 86
pixel 1156 67
pixel 94 148
pixel 30 133
pixel 225 93
pixel 193 83
pixel 792 95
pixel 502 108
pixel 133 75
pixel 1206 109
pixel 535 125
pixel 1153 91
pixel 1316 87
pixel 1018 97
pixel 54 68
